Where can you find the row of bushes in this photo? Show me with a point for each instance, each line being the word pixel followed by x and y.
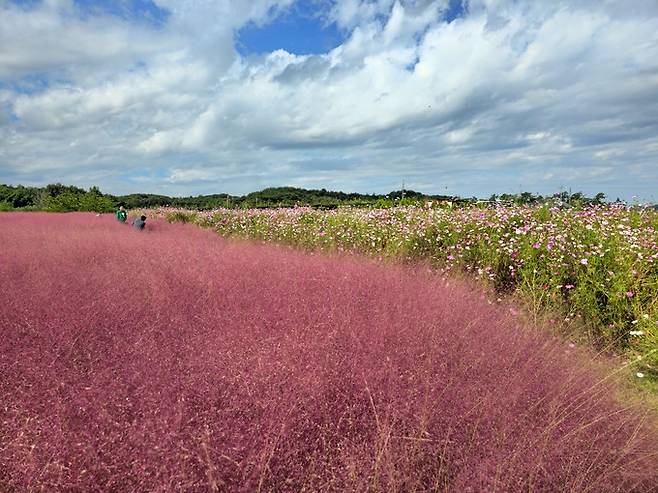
pixel 55 198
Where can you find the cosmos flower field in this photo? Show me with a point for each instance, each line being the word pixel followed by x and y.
pixel 176 360
pixel 594 269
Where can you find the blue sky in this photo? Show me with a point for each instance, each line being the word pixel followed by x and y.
pixel 205 96
pixel 141 11
pixel 304 29
pixel 128 10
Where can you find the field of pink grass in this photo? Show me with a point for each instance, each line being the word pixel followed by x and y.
pixel 174 360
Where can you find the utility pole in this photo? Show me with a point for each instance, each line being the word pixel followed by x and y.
pixel 402 189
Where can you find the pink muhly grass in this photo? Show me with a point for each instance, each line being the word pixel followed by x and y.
pixel 174 360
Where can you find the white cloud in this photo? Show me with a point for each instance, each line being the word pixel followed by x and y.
pixel 52 38
pixel 523 92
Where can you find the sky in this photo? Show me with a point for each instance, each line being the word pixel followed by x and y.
pixel 458 97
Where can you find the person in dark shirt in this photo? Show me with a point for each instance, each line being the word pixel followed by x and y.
pixel 122 215
pixel 139 223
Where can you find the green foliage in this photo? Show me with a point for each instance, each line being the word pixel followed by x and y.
pixel 56 198
pixel 58 189
pixel 95 202
pixel 62 202
pixel 19 196
pixel 143 200
pixel 274 197
pixel 182 217
pixel 71 201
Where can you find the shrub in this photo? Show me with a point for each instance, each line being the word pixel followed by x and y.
pixel 181 217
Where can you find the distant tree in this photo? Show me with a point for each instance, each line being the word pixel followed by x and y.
pixel 19 196
pixel 58 189
pixel 94 201
pixel 526 198
pixel 95 191
pixel 65 198
pixel 409 194
pixel 599 198
pixel 62 202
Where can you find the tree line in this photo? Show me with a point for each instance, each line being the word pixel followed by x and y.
pixel 65 198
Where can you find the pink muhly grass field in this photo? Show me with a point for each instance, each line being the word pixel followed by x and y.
pixel 174 360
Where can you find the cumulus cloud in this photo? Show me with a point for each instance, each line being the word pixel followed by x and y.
pixel 504 95
pixel 52 38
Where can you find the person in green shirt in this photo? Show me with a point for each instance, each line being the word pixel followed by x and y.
pixel 122 215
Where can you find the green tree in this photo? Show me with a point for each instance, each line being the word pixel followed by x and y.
pixel 62 202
